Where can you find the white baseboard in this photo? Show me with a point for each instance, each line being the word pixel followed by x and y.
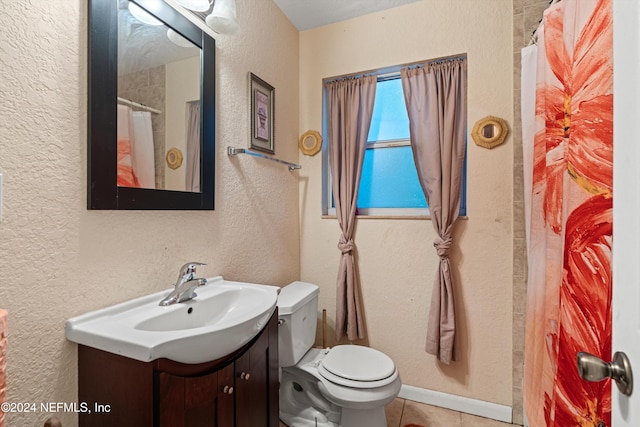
pixel 457 403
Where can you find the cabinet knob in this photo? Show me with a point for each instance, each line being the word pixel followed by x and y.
pixel 227 389
pixel 245 375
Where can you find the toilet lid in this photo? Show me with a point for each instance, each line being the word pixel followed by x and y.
pixel 358 363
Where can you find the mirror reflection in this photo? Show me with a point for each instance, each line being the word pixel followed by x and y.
pixel 489 131
pixel 159 109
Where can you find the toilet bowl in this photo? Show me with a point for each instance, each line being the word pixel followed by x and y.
pixel 347 385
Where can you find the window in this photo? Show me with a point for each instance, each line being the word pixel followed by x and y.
pixel 389 184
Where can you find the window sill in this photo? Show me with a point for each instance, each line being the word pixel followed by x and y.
pixel 382 217
pixel 421 217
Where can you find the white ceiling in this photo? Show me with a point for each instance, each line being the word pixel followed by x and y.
pixel 307 14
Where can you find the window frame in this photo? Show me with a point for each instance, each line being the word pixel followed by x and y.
pixel 328 210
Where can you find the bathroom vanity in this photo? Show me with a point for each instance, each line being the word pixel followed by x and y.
pixel 240 389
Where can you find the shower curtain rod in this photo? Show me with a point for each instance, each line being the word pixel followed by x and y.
pixel 138 105
pixel 534 35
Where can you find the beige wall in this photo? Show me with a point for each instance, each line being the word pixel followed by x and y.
pixel 60 260
pixel 183 86
pixel 396 257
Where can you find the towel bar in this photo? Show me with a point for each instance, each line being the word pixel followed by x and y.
pixel 232 151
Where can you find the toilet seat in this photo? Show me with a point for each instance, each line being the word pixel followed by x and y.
pixel 357 367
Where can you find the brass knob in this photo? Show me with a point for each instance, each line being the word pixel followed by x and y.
pixel 228 389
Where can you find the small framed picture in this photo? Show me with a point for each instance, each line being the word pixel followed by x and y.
pixel 262 96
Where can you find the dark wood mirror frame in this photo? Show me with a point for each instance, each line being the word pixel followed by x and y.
pixel 102 189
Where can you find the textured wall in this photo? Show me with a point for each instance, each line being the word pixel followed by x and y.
pixel 60 260
pixel 396 257
pixel 4 330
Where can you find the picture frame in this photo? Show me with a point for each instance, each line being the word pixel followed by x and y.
pixel 262 120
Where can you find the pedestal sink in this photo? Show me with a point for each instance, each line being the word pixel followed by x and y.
pixel 223 317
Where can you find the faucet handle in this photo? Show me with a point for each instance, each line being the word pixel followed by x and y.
pixel 190 268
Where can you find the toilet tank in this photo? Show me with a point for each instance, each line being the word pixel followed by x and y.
pixel 297 319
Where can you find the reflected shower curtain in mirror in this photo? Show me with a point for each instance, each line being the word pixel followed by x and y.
pixel 136 164
pixel 193 146
pixel 349 111
pixel 126 176
pixel 569 205
pixel 142 151
pixel 436 99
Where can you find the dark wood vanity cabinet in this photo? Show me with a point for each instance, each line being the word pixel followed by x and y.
pixel 238 390
pixel 205 400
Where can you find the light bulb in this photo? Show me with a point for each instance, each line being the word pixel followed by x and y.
pixel 178 39
pixel 197 5
pixel 222 19
pixel 142 15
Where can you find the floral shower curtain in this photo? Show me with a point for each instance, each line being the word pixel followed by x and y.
pixel 570 215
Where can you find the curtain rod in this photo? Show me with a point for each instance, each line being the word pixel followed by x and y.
pixel 138 105
pixel 394 69
pixel 534 34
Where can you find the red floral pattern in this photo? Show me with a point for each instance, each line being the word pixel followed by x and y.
pixel 573 178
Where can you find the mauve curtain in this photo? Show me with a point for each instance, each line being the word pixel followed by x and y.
pixel 349 106
pixel 436 101
pixel 193 146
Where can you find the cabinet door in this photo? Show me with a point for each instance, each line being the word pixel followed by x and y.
pixel 204 401
pixel 252 385
pixel 126 385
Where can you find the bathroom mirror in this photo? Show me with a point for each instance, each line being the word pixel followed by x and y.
pixel 151 92
pixel 490 132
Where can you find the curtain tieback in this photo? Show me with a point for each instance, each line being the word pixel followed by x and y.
pixel 346 246
pixel 442 246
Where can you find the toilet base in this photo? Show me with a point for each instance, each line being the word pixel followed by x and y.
pixel 373 417
pixel 306 398
pixel 307 419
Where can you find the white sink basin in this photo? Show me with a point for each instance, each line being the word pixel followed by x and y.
pixel 222 318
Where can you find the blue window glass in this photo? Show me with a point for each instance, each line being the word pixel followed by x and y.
pixel 390 120
pixel 389 178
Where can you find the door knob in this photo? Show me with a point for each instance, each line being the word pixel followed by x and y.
pixel 592 368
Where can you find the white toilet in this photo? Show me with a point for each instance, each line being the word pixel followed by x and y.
pixel 347 385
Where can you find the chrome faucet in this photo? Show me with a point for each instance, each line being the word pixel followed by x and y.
pixel 185 285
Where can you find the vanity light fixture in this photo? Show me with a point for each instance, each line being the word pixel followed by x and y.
pixel 223 18
pixel 196 5
pixel 177 39
pixel 142 15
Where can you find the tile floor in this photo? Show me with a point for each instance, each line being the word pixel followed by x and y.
pixel 401 413
pixel 406 413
